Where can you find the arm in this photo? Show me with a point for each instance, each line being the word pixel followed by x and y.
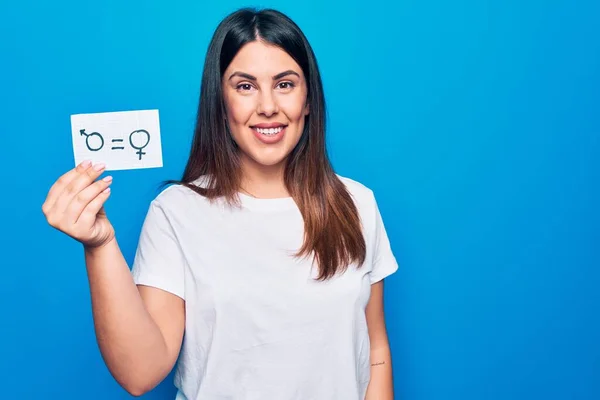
pixel 139 329
pixel 381 384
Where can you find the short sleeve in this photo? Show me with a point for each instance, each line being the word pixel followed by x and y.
pixel 384 261
pixel 159 261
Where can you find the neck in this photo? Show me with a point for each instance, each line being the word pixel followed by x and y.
pixel 263 181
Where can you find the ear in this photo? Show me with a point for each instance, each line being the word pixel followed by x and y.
pixel 306 109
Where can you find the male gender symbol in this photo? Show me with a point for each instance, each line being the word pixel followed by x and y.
pixel 90 144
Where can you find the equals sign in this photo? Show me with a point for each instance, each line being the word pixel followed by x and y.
pixel 117 147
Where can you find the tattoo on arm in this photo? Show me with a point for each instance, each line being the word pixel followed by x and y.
pixel 379 363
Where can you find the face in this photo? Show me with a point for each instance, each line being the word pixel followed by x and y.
pixel 265 98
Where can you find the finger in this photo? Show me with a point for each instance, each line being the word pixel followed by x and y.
pixel 60 184
pixel 80 182
pixel 84 197
pixel 90 212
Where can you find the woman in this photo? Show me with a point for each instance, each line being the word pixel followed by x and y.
pixel 271 264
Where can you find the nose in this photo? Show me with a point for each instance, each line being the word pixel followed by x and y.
pixel 267 104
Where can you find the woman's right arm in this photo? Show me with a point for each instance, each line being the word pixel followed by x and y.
pixel 139 329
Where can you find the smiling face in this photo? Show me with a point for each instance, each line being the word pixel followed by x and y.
pixel 265 99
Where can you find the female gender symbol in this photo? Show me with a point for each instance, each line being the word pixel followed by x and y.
pixel 144 137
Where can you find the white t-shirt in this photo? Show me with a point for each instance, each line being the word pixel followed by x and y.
pixel 258 326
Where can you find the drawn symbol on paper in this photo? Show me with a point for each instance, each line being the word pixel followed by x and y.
pixel 94 141
pixel 117 147
pixel 141 138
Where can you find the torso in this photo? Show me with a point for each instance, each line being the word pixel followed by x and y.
pixel 258 325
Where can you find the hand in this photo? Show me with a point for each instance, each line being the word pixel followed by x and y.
pixel 75 205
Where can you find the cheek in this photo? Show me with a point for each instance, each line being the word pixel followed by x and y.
pixel 293 107
pixel 240 110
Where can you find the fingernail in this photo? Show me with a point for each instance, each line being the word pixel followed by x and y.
pixel 107 190
pixel 107 178
pixel 99 166
pixel 86 164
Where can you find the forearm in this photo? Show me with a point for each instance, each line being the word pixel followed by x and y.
pixel 130 342
pixel 381 384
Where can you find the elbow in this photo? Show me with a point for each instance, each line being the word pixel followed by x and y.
pixel 138 378
pixel 137 387
pixel 135 393
pixel 136 390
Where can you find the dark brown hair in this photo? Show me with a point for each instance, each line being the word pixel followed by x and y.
pixel 333 230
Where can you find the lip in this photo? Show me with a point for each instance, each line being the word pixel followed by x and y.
pixel 269 125
pixel 269 139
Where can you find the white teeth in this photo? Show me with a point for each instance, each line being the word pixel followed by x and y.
pixel 271 131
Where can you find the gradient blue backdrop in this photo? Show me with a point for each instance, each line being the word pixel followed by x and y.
pixel 475 122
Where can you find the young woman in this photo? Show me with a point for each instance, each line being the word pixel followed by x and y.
pixel 269 262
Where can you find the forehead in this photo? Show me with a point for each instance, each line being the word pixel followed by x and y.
pixel 262 59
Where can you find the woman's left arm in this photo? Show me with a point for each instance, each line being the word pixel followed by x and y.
pixel 381 384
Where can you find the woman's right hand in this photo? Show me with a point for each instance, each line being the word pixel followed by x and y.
pixel 75 205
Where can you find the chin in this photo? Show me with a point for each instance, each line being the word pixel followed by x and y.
pixel 269 160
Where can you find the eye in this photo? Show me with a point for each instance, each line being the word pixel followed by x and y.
pixel 287 85
pixel 244 87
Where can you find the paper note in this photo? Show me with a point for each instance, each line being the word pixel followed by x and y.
pixel 121 140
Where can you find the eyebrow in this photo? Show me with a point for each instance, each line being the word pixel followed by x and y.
pixel 275 77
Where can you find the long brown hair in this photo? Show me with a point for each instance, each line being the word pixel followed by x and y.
pixel 333 230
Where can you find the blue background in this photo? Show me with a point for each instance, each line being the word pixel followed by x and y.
pixel 475 122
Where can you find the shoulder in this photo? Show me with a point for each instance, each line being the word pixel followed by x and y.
pixel 362 194
pixel 176 206
pixel 366 204
pixel 364 199
pixel 172 195
pixel 176 198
